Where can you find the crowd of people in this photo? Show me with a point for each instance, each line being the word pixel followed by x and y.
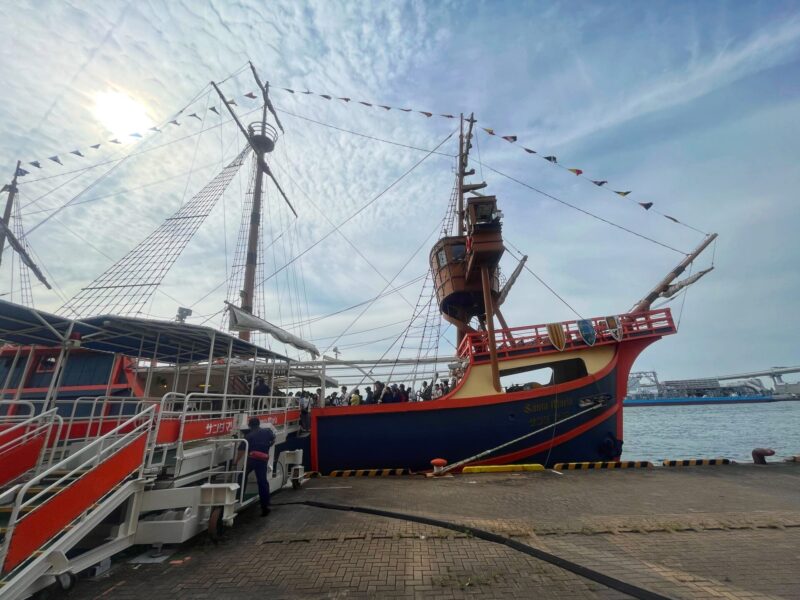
pixel 383 393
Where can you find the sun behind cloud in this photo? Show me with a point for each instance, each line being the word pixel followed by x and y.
pixel 120 114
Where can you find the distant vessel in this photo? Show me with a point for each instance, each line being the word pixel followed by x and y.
pixel 644 389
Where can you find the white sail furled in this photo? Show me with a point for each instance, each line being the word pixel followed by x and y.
pixel 244 321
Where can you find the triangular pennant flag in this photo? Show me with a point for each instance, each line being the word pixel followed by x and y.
pixel 646 205
pixel 36 164
pixel 345 99
pixel 174 122
pixel 77 153
pixel 406 109
pixel 673 219
pixel 364 103
pixel 212 109
pixel 488 130
pixel 576 171
pixel 510 138
pixel 21 172
pixel 55 159
pixel 326 96
pixel 427 114
pixel 95 146
pixel 529 151
pixel 115 141
pixel 6 188
pixel 623 194
pixel 288 90
pixel 195 116
pixel 448 116
pixel 552 159
pixel 384 106
pixel 231 102
pixel 136 135
pixel 250 95
pixel 600 183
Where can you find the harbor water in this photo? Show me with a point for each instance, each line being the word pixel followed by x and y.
pixel 705 431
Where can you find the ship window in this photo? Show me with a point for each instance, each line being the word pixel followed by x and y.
pixel 458 252
pixel 534 376
pixel 442 258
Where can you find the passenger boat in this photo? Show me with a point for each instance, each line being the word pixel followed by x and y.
pixel 101 408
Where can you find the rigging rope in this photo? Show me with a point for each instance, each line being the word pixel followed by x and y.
pixel 364 207
pixel 586 212
pixel 540 280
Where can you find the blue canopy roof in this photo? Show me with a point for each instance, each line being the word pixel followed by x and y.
pixel 166 341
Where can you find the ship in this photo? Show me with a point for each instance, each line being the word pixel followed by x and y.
pixel 645 389
pixel 120 429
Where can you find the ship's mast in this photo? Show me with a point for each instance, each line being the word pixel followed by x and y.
pixel 262 137
pixel 12 192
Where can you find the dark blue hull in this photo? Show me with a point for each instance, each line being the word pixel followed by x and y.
pixel 411 435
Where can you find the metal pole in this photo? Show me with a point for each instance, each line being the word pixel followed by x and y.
pixel 10 374
pixel 25 373
pixel 322 390
pixel 12 192
pixel 253 377
pixel 153 363
pixel 227 375
pixel 210 360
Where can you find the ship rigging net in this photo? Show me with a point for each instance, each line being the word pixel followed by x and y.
pixel 126 287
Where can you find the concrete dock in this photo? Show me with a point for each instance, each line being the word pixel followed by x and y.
pixel 693 532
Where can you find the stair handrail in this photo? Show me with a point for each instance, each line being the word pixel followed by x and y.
pixel 97 450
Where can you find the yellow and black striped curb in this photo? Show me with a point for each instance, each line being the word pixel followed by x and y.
pixel 624 464
pixel 502 468
pixel 696 462
pixel 369 472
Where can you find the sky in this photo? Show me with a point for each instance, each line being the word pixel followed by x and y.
pixel 692 106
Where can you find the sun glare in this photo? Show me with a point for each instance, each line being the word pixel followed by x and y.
pixel 120 114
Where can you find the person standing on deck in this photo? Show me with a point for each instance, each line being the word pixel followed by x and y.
pixel 259 441
pixel 369 398
pixel 355 398
pixel 261 388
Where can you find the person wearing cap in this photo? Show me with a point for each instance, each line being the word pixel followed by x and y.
pixel 259 441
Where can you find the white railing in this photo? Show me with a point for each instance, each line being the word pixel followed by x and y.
pixel 25 428
pixel 78 463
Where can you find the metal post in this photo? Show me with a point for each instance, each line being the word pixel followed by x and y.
pixel 322 390
pixel 25 373
pixel 210 360
pixel 253 376
pixel 227 375
pixel 177 376
pixel 188 371
pixel 10 375
pixel 153 363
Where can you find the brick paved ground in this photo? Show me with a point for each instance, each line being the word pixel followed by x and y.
pixel 707 532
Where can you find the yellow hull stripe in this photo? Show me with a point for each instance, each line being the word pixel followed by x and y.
pixel 503 468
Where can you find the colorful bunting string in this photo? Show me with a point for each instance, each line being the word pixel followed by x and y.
pixel 512 139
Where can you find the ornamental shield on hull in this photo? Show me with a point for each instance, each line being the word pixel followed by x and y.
pixel 558 338
pixel 588 334
pixel 614 327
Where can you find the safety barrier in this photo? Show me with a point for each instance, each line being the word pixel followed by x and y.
pixel 696 462
pixel 502 468
pixel 369 472
pixel 622 464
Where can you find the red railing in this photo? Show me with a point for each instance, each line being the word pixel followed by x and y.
pixel 536 338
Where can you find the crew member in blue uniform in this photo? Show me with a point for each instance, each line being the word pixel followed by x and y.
pixel 259 441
